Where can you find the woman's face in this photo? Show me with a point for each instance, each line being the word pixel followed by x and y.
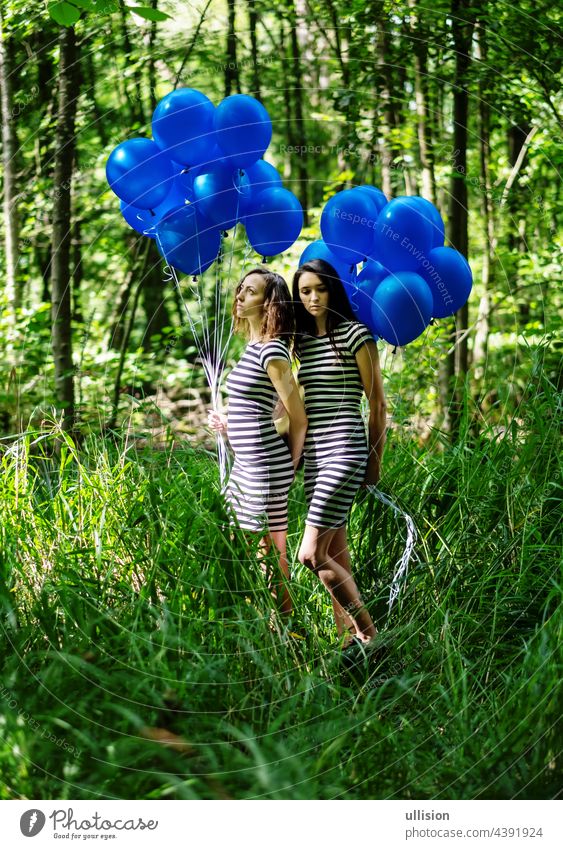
pixel 250 297
pixel 314 294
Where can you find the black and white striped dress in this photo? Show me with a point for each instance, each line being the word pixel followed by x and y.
pixel 336 449
pixel 263 469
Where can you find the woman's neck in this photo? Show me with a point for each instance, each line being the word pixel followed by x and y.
pixel 321 326
pixel 255 330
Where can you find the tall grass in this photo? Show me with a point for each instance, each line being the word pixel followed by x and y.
pixel 139 662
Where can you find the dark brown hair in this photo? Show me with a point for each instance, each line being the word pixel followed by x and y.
pixel 339 308
pixel 278 320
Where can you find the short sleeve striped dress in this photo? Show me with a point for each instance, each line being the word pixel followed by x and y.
pixel 263 469
pixel 336 449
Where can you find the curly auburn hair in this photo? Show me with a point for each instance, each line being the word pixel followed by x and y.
pixel 278 319
pixel 339 308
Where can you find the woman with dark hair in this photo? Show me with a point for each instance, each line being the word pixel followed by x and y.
pixel 264 466
pixel 338 362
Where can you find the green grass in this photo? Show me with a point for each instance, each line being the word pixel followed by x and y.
pixel 126 607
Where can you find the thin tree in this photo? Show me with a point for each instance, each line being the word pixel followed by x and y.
pixel 383 96
pixel 463 22
pixel 482 329
pixel 9 151
pixel 424 129
pixel 232 79
pixel 252 25
pixel 61 307
pixel 298 131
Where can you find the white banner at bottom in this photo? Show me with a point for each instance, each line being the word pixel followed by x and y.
pixel 282 824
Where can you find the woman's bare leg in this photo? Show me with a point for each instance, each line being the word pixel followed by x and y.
pixel 338 550
pixel 277 586
pixel 340 583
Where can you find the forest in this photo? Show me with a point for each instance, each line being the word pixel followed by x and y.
pixel 139 651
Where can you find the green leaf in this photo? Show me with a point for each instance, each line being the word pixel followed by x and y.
pixel 83 4
pixel 104 7
pixel 148 13
pixel 64 13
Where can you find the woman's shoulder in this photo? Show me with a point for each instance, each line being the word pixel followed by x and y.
pixel 349 328
pixel 355 334
pixel 349 325
pixel 272 349
pixel 276 342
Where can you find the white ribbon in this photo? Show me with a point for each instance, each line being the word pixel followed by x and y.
pixel 402 565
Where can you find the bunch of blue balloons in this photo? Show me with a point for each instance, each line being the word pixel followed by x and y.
pixel 199 175
pixel 408 277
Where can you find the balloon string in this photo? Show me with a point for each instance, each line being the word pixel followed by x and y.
pixel 353 290
pixel 202 346
pixel 402 565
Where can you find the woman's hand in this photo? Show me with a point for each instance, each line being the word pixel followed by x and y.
pixel 217 421
pixel 373 471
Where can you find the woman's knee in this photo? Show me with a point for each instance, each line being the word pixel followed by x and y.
pixel 329 577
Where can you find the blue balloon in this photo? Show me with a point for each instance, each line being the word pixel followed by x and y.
pixel 145 220
pixel 432 215
pixel 263 175
pixel 319 250
pixel 449 277
pixel 373 271
pixel 243 129
pixel 376 195
pixel 361 291
pixel 139 173
pixel 185 176
pixel 403 236
pixel 220 195
pixel 182 124
pixel 214 157
pixel 402 307
pixel 187 240
pixel 275 222
pixel 347 224
pixel 139 219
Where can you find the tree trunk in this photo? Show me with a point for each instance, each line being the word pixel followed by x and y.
pixel 135 99
pixel 298 132
pixel 383 95
pixel 138 248
pixel 252 24
pixel 482 329
pixel 100 118
pixel 68 83
pixel 154 295
pixel 9 160
pixel 231 68
pixel 151 65
pixel 124 347
pixel 517 135
pixel 462 29
pixel 77 270
pixel 286 97
pixel 424 131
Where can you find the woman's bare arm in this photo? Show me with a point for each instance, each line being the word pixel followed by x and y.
pixel 367 359
pixel 279 372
